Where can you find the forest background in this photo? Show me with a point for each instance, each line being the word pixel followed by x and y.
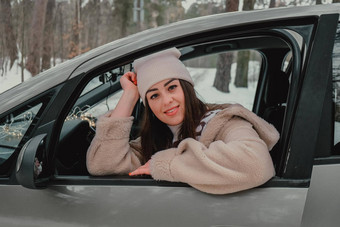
pixel 38 34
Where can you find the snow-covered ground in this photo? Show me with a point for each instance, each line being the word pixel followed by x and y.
pixel 12 77
pixel 204 80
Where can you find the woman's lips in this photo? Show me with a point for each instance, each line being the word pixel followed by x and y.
pixel 172 111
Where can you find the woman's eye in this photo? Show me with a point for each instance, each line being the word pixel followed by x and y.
pixel 153 96
pixel 172 87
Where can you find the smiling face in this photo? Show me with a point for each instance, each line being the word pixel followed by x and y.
pixel 167 102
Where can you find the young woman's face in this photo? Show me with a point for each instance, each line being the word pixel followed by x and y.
pixel 166 100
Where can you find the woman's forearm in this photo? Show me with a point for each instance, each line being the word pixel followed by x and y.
pixel 125 104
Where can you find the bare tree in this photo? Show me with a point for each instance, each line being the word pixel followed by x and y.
pixel 23 16
pixel 74 44
pixel 122 14
pixel 9 39
pixel 36 37
pixel 272 4
pixel 224 62
pixel 91 19
pixel 106 34
pixel 48 35
pixel 175 11
pixel 241 77
pixel 60 27
pixel 155 12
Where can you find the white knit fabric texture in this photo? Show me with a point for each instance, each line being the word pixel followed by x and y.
pixel 159 66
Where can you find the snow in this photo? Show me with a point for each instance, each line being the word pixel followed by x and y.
pixel 204 79
pixel 12 77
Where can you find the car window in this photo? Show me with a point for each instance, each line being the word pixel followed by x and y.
pixel 110 75
pixel 336 88
pixel 100 95
pixel 103 91
pixel 13 128
pixel 233 84
pixel 248 71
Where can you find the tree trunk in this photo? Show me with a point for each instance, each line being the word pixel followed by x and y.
pixel 2 57
pixel 23 12
pixel 123 14
pixel 74 45
pixel 60 53
pixel 232 5
pixel 93 20
pixel 48 35
pixel 36 37
pixel 272 4
pixel 10 40
pixel 241 77
pixel 223 72
pixel 224 61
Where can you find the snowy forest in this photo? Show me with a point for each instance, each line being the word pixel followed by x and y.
pixel 38 34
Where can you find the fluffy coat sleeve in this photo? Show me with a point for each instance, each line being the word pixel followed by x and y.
pixel 236 160
pixel 110 151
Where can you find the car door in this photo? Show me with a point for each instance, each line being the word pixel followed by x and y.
pixel 323 202
pixel 64 194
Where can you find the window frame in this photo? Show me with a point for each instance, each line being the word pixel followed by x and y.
pixel 112 180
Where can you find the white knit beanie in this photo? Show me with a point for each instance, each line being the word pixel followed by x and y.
pixel 157 67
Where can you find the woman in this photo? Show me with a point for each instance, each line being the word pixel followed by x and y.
pixel 216 149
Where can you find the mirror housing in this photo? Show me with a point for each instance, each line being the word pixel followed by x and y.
pixel 29 164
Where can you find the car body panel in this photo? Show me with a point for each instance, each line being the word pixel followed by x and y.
pixel 151 206
pixel 322 204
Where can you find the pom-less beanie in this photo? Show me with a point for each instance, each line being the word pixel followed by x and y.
pixel 159 66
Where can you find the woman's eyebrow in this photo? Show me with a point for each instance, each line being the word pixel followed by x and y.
pixel 169 82
pixel 155 89
pixel 150 90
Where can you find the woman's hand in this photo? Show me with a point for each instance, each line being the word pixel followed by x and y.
pixel 145 169
pixel 129 97
pixel 129 81
pixel 129 84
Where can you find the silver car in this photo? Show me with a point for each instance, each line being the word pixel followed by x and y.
pixel 292 80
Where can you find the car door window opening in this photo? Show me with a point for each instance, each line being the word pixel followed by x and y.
pixel 260 47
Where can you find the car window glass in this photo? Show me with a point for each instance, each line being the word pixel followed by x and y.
pixel 96 110
pixel 13 127
pixel 106 77
pixel 94 83
pixel 336 86
pixel 237 84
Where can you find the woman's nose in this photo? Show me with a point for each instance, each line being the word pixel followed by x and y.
pixel 167 99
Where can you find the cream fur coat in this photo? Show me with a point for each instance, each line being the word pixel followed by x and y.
pixel 231 155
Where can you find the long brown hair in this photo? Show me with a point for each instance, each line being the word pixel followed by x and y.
pixel 156 135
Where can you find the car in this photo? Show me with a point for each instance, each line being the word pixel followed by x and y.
pixel 293 75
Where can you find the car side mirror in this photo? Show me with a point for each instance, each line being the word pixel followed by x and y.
pixel 30 166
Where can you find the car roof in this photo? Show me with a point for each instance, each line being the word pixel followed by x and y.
pixel 139 41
